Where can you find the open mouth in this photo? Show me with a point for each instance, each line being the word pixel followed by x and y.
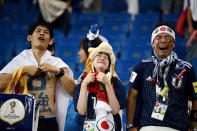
pixel 41 39
pixel 163 48
pixel 102 62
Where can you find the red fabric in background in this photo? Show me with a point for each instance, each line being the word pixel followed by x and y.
pixel 181 22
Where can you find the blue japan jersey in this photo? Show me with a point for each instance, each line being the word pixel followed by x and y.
pixel 176 116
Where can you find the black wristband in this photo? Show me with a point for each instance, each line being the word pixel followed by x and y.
pixel 60 74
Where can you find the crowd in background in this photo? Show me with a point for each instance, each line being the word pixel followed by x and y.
pixel 110 90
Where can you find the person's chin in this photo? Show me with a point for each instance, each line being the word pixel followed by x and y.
pixel 164 52
pixel 164 55
pixel 82 62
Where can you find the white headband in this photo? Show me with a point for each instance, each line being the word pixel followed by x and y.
pixel 162 29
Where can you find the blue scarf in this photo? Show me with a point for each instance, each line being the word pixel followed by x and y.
pixel 162 63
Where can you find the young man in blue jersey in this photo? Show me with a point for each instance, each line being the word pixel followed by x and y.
pixel 165 83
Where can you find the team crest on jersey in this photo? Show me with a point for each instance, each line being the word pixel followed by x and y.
pixel 195 86
pixel 149 78
pixel 133 76
pixel 177 82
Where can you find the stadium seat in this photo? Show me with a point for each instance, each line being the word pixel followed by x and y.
pixel 74 18
pixel 68 42
pixel 116 25
pixel 79 67
pixel 146 17
pixel 67 54
pixel 137 41
pixel 146 6
pixel 85 20
pixel 118 17
pixel 5 24
pixel 77 74
pixel 172 18
pixel 181 51
pixel 125 65
pixel 78 33
pixel 114 6
pixel 58 35
pixel 71 64
pixel 180 41
pixel 20 46
pixel 7 51
pixel 135 52
pixel 113 33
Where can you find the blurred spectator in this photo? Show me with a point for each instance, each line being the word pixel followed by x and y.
pixel 1 2
pixel 185 4
pixel 171 6
pixel 57 13
pixel 192 16
pixel 76 6
pixel 133 6
pixel 91 5
pixel 16 1
pixel 190 33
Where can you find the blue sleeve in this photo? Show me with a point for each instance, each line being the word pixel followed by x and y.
pixel 191 84
pixel 120 94
pixel 76 96
pixel 136 76
pixel 138 110
pixel 135 82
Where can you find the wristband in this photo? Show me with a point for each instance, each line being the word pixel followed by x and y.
pixel 60 74
pixel 129 126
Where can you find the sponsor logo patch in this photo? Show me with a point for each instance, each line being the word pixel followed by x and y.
pixel 133 76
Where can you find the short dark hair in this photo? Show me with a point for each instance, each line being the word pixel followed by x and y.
pixel 84 44
pixel 163 23
pixel 41 23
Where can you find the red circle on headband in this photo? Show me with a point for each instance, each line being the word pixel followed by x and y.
pixel 163 29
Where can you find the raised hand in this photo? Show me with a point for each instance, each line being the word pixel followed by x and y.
pixel 31 70
pixel 45 67
pixel 89 78
pixel 102 77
